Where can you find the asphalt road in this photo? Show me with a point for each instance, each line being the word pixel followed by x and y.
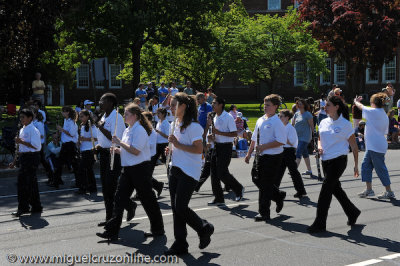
pixel 68 226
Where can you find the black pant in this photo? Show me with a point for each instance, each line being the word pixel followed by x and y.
pixel 137 177
pixel 289 161
pixel 155 183
pixel 109 179
pixel 268 174
pixel 160 150
pixel 205 170
pixel 54 164
pixel 220 160
pixel 181 187
pixel 68 156
pixel 28 190
pixel 86 176
pixel 44 162
pixel 333 170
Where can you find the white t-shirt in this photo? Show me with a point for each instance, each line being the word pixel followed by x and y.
pixel 189 163
pixel 136 137
pixel 87 145
pixel 154 109
pixel 174 91
pixel 322 103
pixel 109 124
pixel 40 127
pixel 291 136
pixel 224 123
pixel 31 135
pixel 271 129
pixel 170 116
pixel 376 128
pixel 72 128
pixel 153 143
pixel 164 127
pixel 334 135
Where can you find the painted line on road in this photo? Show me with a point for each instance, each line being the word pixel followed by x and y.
pixel 374 261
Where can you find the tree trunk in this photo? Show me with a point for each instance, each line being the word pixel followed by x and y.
pixel 355 79
pixel 136 48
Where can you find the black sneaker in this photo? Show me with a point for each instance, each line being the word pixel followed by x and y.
pixel 300 195
pixel 279 203
pixel 262 218
pixel 205 237
pixel 215 202
pixel 352 220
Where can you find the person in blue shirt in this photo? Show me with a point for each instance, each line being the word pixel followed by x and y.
pixel 204 109
pixel 142 95
pixel 162 92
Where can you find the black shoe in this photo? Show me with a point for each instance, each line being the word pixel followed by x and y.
pixel 205 237
pixel 80 191
pixel 107 235
pixel 227 189
pixel 159 189
pixel 37 210
pixel 300 195
pixel 131 213
pixel 174 251
pixel 154 234
pixel 102 224
pixel 19 213
pixel 262 218
pixel 215 202
pixel 313 229
pixel 240 196
pixel 352 220
pixel 279 203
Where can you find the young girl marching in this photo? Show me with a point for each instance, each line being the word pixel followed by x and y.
pixel 88 133
pixel 135 161
pixel 187 148
pixel 38 123
pixel 272 138
pixel 162 130
pixel 69 139
pixel 29 145
pixel 335 135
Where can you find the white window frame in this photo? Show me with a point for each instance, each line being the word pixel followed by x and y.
pixel 335 75
pixel 110 77
pixel 77 77
pixel 296 82
pixel 321 80
pixel 280 5
pixel 384 72
pixel 367 77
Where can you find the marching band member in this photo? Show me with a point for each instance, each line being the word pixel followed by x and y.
pixel 272 138
pixel 187 148
pixel 335 135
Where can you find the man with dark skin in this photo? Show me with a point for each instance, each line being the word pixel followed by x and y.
pixel 109 178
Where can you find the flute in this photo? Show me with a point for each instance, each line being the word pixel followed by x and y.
pixel 173 130
pixel 92 139
pixel 113 144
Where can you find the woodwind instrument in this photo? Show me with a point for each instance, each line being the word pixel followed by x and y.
pixel 16 153
pixel 255 171
pixel 113 144
pixel 173 131
pixel 92 139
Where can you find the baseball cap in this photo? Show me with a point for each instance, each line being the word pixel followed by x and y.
pixel 88 102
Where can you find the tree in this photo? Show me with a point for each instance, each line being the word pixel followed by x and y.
pixel 26 31
pixel 118 29
pixel 265 48
pixel 362 33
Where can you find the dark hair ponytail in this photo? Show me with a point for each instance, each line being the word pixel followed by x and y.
pixel 343 109
pixel 87 113
pixel 190 111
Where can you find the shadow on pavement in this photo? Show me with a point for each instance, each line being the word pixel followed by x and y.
pixel 240 211
pixel 394 202
pixel 204 259
pixel 33 222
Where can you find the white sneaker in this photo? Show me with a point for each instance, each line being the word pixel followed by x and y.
pixel 307 173
pixel 387 195
pixel 366 193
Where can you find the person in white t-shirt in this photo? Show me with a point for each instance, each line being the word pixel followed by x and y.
pixel 376 128
pixel 289 155
pixel 322 113
pixel 187 148
pixel 86 174
pixel 69 139
pixel 134 148
pixel 272 136
pixel 173 89
pixel 335 135
pixel 224 131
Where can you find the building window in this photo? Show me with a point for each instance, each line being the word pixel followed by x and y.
pixel 370 77
pixel 299 73
pixel 114 72
pixel 340 73
pixel 389 71
pixel 326 78
pixel 274 4
pixel 82 76
pixel 99 84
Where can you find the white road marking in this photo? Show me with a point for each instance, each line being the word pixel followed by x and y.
pixel 390 257
pixel 374 261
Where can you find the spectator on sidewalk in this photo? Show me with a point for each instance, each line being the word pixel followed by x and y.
pixel 189 90
pixel 204 109
pixel 142 95
pixel 162 92
pixel 38 88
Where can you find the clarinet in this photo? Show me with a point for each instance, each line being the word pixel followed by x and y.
pixel 92 139
pixel 113 144
pixel 16 153
pixel 317 156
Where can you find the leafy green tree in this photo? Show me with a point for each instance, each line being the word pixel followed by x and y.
pixel 265 48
